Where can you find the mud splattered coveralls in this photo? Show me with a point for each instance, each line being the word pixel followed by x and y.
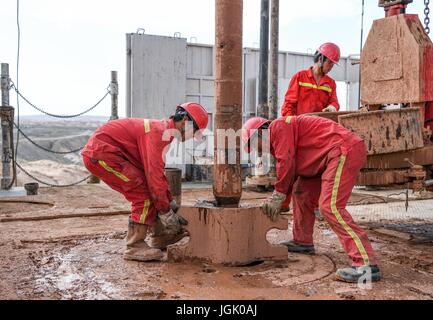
pixel 320 161
pixel 305 95
pixel 128 155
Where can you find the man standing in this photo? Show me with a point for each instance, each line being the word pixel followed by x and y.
pixel 312 90
pixel 128 155
pixel 319 160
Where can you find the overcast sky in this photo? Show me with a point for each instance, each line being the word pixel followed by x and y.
pixel 68 48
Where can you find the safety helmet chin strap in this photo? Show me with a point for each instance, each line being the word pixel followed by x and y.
pixel 321 60
pixel 258 134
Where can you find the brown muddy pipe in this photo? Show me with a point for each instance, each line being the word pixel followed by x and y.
pixel 227 186
pixel 263 103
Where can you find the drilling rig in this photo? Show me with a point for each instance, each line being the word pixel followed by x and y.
pixel 397 99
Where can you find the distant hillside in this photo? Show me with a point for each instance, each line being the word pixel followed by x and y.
pixel 59 135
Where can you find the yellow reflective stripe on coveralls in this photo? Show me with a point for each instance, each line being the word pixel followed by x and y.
pixel 145 211
pixel 146 125
pixel 289 119
pixel 310 85
pixel 111 170
pixel 337 214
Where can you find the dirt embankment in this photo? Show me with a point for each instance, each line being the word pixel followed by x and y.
pixel 58 136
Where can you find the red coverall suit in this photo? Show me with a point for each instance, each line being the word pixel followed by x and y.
pixel 320 160
pixel 127 155
pixel 304 95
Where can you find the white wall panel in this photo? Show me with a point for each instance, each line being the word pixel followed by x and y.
pixel 158 75
pixel 166 71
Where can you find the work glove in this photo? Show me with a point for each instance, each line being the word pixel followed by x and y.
pixel 174 206
pixel 172 222
pixel 272 205
pixel 330 109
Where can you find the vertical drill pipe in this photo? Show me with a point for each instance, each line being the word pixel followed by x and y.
pixel 263 107
pixel 360 54
pixel 114 91
pixel 6 122
pixel 227 186
pixel 273 77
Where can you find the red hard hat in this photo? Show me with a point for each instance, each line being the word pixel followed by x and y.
pixel 197 113
pixel 249 128
pixel 331 51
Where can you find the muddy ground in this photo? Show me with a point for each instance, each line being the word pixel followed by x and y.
pixel 68 243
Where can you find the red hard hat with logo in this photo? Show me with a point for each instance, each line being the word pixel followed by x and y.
pixel 331 51
pixel 249 128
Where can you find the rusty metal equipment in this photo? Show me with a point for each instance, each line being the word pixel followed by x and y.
pixel 397 63
pixel 268 85
pixel 228 236
pixel 393 7
pixel 393 130
pixel 263 103
pixel 227 187
pixel 222 231
pixel 397 73
pixel 416 175
pixel 396 69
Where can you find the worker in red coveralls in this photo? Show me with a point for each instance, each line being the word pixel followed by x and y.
pixel 312 90
pixel 128 155
pixel 318 160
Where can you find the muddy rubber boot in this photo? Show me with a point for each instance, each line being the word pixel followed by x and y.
pixel 161 240
pixel 353 274
pixel 136 248
pixel 298 248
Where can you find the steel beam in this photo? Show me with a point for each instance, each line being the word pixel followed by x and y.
pixel 396 160
pixel 387 131
pixel 382 178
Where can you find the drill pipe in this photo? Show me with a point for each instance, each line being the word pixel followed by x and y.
pixel 227 187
